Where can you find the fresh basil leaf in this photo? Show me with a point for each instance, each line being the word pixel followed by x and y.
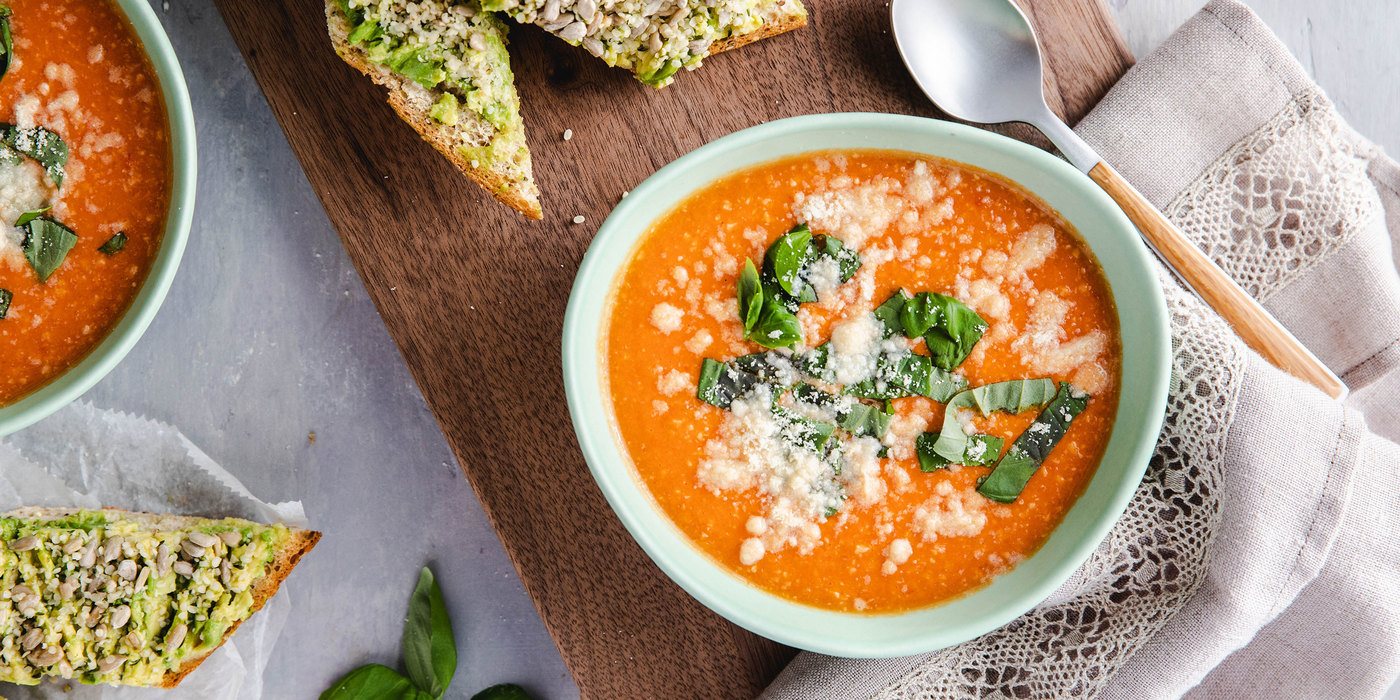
pixel 847 260
pixel 750 296
pixel 40 144
pixel 776 328
pixel 429 650
pixel 1033 446
pixel 7 41
pixel 372 682
pixel 46 244
pixel 814 363
pixel 888 312
pixel 6 296
pixel 920 313
pixel 902 374
pixel 29 216
pixel 503 691
pixel 1014 396
pixel 864 419
pixel 981 451
pixel 957 329
pixel 787 257
pixel 114 244
pixel 721 383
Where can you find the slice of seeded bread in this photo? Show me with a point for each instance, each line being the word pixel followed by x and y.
pixel 508 178
pixel 295 545
pixel 656 38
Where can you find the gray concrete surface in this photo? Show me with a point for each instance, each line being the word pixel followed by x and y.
pixel 268 336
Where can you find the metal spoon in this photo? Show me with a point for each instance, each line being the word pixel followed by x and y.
pixel 978 61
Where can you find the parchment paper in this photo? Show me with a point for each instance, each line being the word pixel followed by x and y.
pixel 89 457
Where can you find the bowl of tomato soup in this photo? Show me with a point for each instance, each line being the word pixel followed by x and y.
pixel 868 385
pixel 97 177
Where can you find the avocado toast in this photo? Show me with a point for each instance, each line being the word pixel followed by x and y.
pixel 656 38
pixel 130 598
pixel 449 77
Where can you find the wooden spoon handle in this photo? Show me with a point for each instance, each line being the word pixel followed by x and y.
pixel 1251 321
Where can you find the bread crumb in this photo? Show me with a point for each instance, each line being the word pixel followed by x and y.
pixel 577 219
pixel 568 134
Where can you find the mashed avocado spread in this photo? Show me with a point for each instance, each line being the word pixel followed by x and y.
pixel 101 598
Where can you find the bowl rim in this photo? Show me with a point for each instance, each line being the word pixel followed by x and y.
pixel 99 361
pixel 590 412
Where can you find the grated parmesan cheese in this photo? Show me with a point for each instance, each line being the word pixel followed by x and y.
pixel 950 513
pixel 666 317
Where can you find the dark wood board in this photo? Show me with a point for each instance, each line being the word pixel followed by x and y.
pixel 474 295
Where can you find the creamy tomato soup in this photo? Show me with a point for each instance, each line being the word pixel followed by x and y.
pixel 85 177
pixel 863 380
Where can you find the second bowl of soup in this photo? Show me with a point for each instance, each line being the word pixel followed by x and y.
pixel 875 372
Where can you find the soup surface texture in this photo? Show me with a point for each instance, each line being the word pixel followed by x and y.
pixel 846 519
pixel 79 73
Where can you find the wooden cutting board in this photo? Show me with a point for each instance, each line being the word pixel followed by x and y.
pixel 474 295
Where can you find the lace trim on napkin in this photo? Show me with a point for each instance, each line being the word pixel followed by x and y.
pixel 1148 567
pixel 1283 198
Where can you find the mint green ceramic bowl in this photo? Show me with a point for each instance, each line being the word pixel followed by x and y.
pixel 78 379
pixel 1146 371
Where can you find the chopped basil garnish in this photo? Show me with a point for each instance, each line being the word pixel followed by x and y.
pixel 1012 397
pixel 776 328
pixel 7 42
pixel 46 244
pixel 857 418
pixel 982 451
pixel 40 144
pixel 786 258
pixel 6 296
pixel 902 374
pixel 720 383
pixel 29 216
pixel 750 296
pixel 949 327
pixel 1031 448
pixel 113 244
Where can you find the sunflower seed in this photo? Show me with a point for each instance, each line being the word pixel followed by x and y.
pixel 93 618
pixel 562 21
pixel 593 46
pixel 231 538
pixel 127 569
pixel 65 669
pixel 203 539
pixel 176 636
pixel 31 639
pixel 98 581
pixel 24 544
pixel 142 577
pixel 183 568
pixel 20 591
pixel 68 588
pixel 100 632
pixel 120 616
pixel 192 550
pixel 133 639
pixel 45 657
pixel 108 664
pixel 162 560
pixel 574 32
pixel 89 555
pixel 225 572
pixel 73 544
pixel 111 549
pixel 585 9
pixel 29 605
pixel 550 12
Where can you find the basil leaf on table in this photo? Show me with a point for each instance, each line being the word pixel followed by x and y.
pixel 429 651
pixel 6 296
pixel 504 691
pixel 40 144
pixel 46 244
pixel 981 451
pixel 750 296
pixel 7 41
pixel 1031 448
pixel 372 682
pixel 114 244
pixel 1013 397
pixel 29 216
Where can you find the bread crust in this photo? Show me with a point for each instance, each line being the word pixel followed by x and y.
pixel 795 19
pixel 522 196
pixel 286 559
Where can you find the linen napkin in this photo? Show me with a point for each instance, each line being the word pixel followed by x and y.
pixel 1258 556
